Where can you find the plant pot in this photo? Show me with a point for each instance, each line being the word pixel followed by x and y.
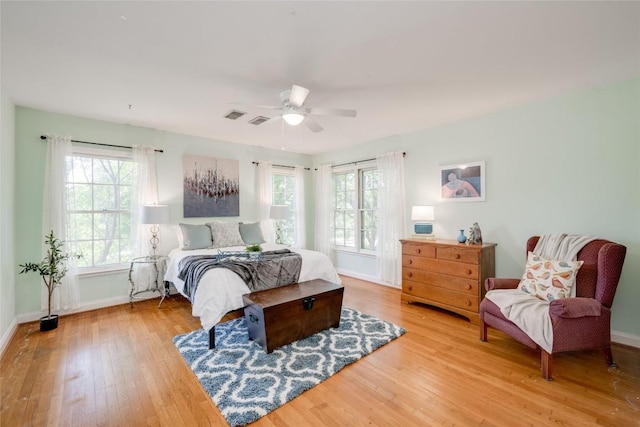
pixel 48 323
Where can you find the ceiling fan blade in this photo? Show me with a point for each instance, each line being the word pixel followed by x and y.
pixel 312 124
pixel 298 95
pixel 330 112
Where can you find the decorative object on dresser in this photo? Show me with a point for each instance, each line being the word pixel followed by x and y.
pixel 424 217
pixel 445 274
pixel 475 235
pixel 461 237
pixel 279 213
pixel 154 215
pixel 245 383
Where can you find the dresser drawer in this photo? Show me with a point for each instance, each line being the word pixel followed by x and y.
pixel 441 280
pixel 445 296
pixel 419 250
pixel 459 254
pixel 467 271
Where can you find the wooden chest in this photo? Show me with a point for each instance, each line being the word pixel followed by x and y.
pixel 447 274
pixel 279 316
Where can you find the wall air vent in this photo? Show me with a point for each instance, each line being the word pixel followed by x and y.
pixel 234 114
pixel 258 120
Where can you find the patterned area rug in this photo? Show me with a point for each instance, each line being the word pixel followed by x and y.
pixel 246 383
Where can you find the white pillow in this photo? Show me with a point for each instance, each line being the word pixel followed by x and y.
pixel 549 279
pixel 225 234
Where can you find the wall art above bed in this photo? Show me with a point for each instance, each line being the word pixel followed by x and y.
pixel 211 186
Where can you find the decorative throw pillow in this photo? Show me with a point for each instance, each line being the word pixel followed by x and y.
pixel 195 236
pixel 251 233
pixel 549 279
pixel 225 234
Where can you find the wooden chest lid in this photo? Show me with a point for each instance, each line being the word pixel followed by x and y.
pixel 294 292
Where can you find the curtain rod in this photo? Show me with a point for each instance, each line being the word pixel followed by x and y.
pixel 282 166
pixel 103 144
pixel 360 161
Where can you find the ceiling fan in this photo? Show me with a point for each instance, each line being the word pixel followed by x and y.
pixel 293 111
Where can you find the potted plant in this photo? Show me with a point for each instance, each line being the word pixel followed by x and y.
pixel 52 269
pixel 254 250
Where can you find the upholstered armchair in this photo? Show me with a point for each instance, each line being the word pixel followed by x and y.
pixel 579 323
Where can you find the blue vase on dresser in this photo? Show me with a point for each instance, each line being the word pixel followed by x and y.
pixel 461 237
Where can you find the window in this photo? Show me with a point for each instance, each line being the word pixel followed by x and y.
pixel 355 201
pixel 99 191
pixel 284 193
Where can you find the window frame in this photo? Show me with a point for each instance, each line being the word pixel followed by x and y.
pixel 290 223
pixel 85 151
pixel 357 169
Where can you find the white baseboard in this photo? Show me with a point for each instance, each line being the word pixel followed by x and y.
pixel 364 277
pixel 626 339
pixel 93 305
pixel 6 338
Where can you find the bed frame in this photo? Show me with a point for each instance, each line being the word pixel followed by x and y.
pixel 229 316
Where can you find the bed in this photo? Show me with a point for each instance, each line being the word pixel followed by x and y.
pixel 220 290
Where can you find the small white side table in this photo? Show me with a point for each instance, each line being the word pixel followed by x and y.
pixel 146 274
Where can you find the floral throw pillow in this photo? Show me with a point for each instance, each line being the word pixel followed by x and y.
pixel 549 279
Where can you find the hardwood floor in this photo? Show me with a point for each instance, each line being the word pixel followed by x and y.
pixel 118 367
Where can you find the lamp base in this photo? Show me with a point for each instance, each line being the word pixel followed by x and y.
pixel 424 236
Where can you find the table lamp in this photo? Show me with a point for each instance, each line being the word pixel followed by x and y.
pixel 154 215
pixel 424 217
pixel 279 213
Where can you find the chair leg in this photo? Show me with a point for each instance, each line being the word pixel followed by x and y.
pixel 609 357
pixel 546 362
pixel 483 330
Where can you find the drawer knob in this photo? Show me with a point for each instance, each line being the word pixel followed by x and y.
pixel 410 288
pixel 468 302
pixel 410 261
pixel 456 256
pixel 418 251
pixel 410 274
pixel 468 287
pixel 468 271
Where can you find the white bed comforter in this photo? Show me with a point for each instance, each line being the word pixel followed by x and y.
pixel 220 290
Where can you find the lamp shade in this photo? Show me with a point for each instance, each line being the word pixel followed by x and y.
pixel 422 213
pixel 154 214
pixel 279 212
pixel 293 118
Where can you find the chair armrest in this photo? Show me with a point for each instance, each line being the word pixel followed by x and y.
pixel 498 283
pixel 575 307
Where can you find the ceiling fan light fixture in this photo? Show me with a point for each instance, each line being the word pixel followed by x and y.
pixel 293 118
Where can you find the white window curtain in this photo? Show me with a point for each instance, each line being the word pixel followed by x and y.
pixel 391 216
pixel 145 192
pixel 67 295
pixel 264 183
pixel 324 209
pixel 301 229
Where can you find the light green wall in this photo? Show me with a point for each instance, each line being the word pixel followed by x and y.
pixel 29 178
pixel 569 164
pixel 7 191
pixel 563 165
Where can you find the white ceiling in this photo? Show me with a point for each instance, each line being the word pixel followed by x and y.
pixel 403 65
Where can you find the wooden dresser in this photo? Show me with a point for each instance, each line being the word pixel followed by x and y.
pixel 446 274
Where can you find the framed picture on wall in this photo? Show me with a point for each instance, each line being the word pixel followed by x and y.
pixel 211 186
pixel 462 182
